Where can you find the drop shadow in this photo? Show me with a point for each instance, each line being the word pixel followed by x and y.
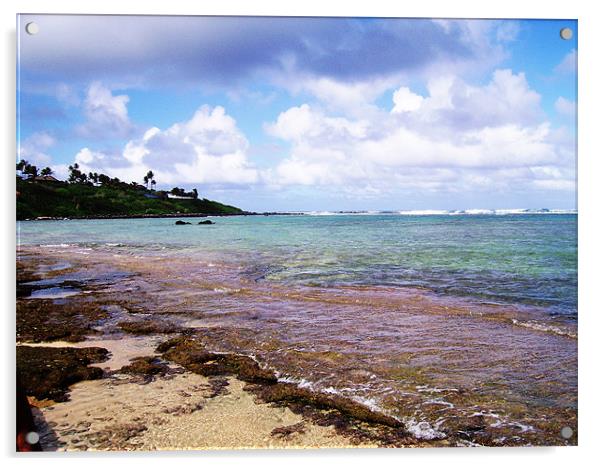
pixel 49 440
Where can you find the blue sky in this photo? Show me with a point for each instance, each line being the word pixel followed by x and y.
pixel 308 113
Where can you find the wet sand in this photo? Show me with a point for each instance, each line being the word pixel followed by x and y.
pixel 177 412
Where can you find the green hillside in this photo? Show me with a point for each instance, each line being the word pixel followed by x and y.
pixel 73 200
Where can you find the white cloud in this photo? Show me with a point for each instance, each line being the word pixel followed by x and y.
pixel 458 137
pixel 34 149
pixel 87 157
pixel 482 42
pixel 208 148
pixel 351 98
pixel 106 114
pixel 406 101
pixel 506 99
pixel 299 123
pixel 565 107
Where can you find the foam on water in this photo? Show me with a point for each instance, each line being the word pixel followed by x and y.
pixel 422 430
pixel 226 290
pixel 423 212
pixel 542 327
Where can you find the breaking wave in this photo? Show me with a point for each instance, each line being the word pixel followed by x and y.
pixel 444 212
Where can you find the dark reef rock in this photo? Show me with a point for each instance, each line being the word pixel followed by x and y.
pixel 192 355
pixel 50 316
pixel 47 372
pixel 348 417
pixel 147 327
pixel 146 365
pixel 289 394
pixel 206 222
pixel 182 222
pixel 44 320
pixel 146 368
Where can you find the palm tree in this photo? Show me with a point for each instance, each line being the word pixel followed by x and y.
pixel 75 174
pixel 31 170
pixel 22 165
pixel 46 171
pixel 153 183
pixel 150 175
pixel 146 181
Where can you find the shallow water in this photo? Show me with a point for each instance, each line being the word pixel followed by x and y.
pixel 441 321
pixel 510 258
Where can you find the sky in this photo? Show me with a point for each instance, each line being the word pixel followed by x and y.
pixel 302 114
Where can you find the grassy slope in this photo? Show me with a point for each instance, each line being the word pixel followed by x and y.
pixel 73 200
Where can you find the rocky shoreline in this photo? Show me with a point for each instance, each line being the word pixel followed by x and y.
pixel 163 332
pixel 67 357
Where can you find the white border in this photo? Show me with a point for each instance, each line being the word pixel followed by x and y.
pixel 590 81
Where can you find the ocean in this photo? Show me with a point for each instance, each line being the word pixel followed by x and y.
pixel 434 317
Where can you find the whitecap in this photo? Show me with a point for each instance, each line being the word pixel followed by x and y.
pixel 422 430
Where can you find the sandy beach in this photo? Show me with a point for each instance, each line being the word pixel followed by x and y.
pixel 178 411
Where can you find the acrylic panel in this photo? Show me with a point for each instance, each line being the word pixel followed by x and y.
pixel 295 232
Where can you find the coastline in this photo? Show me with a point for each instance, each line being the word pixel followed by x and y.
pixel 114 314
pixel 176 215
pixel 143 400
pixel 408 213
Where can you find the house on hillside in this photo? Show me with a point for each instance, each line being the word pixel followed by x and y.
pixel 46 178
pixel 174 196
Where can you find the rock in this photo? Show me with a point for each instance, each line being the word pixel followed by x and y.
pixel 286 432
pixel 206 222
pixel 47 372
pixel 192 355
pixel 146 366
pixel 181 222
pixel 147 327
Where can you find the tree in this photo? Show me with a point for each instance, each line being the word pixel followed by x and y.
pixel 153 183
pixel 146 181
pixel 27 170
pixel 31 170
pixel 74 173
pixel 149 177
pixel 93 177
pixel 76 176
pixel 46 171
pixel 195 193
pixel 21 166
pixel 104 180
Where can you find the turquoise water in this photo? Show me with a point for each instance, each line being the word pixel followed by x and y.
pixel 398 312
pixel 525 259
